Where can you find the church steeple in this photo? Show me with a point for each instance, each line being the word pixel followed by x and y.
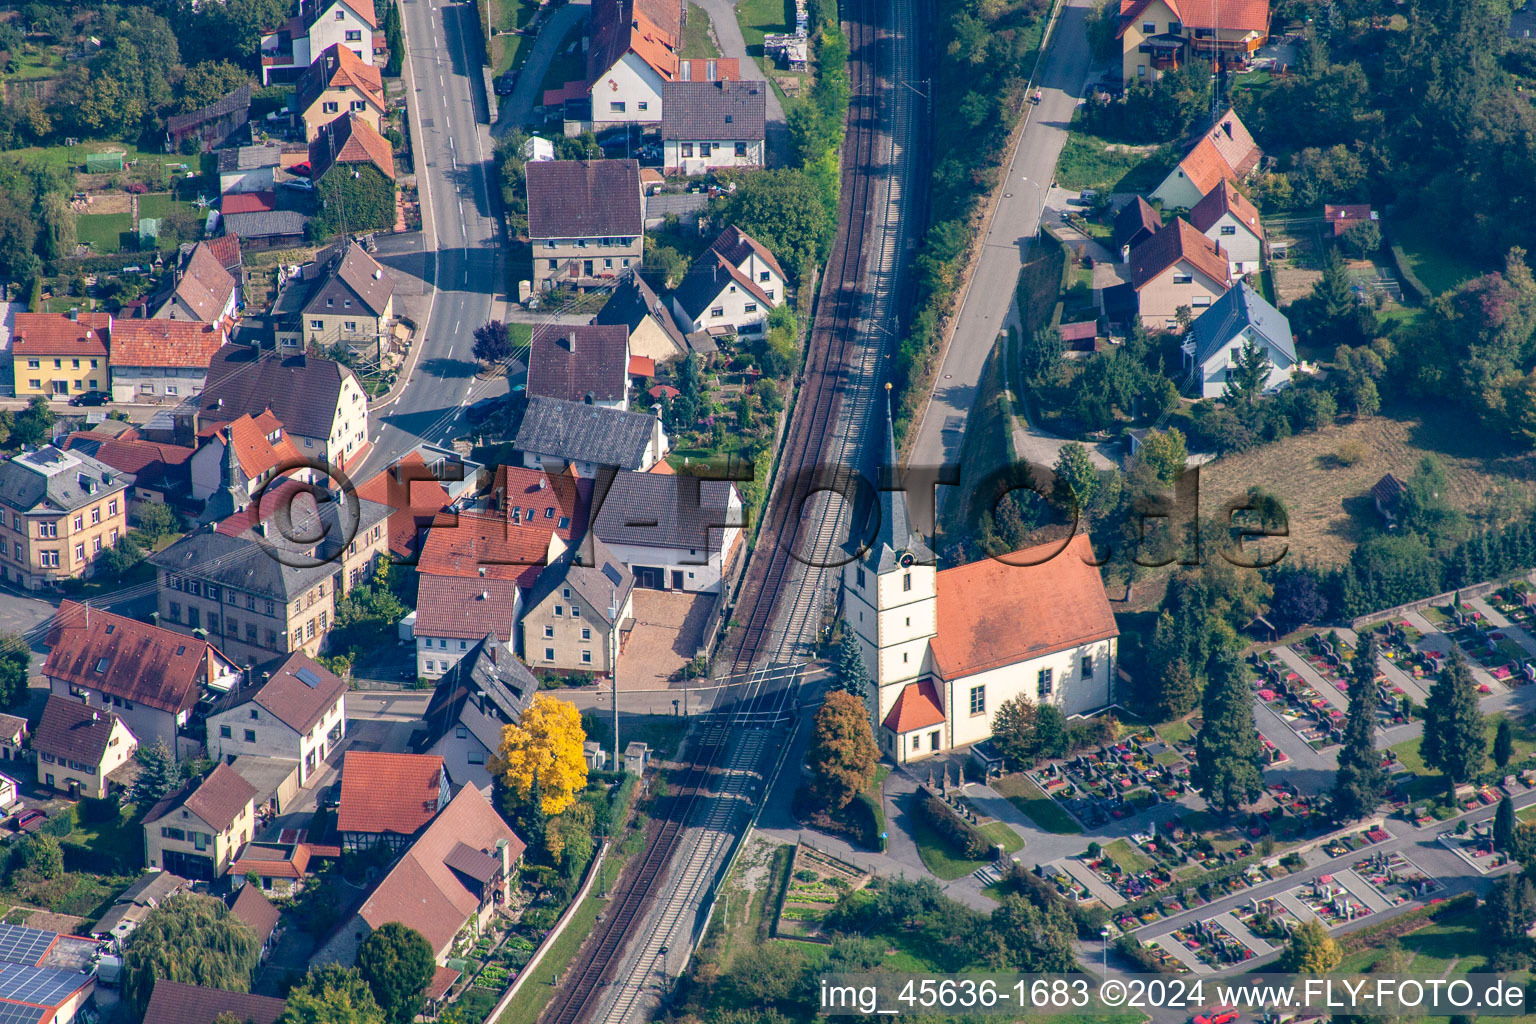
pixel 895 538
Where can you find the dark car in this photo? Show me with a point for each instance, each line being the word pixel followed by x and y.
pixel 332 797
pixel 90 398
pixel 30 821
pixel 506 83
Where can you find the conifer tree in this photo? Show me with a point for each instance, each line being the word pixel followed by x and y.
pixel 1229 758
pixel 1455 735
pixel 1360 783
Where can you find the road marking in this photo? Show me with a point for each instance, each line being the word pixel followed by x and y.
pixel 456 324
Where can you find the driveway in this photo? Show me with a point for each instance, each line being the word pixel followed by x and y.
pixel 722 18
pixel 518 107
pixel 669 625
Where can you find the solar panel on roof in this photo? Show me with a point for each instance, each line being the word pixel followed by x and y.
pixel 612 574
pixel 42 986
pixel 15 1013
pixel 307 677
pixel 27 946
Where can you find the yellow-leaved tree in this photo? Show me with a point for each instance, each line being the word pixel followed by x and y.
pixel 546 745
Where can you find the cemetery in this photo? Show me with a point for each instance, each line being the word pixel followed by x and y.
pixel 1117 781
pixel 1396 878
pixel 1474 845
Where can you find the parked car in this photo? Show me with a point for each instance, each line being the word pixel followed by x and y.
pixel 30 821
pixel 1217 1015
pixel 506 83
pixel 303 184
pixel 90 398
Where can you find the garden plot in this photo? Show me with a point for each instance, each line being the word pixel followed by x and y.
pixel 1117 781
pixel 1474 844
pixel 816 882
pixel 1396 878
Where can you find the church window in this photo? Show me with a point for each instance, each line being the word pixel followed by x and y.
pixel 1043 685
pixel 978 700
pixel 859 577
pixel 906 581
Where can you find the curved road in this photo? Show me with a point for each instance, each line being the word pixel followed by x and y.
pixel 457 252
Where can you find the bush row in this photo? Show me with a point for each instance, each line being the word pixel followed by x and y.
pixel 962 837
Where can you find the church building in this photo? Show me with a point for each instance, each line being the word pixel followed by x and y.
pixel 946 649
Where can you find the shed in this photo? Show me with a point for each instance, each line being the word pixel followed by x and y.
pixel 104 163
pixel 637 755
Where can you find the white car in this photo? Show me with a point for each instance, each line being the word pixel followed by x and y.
pixel 300 183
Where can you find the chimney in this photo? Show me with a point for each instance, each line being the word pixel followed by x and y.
pixel 570 341
pixel 378 275
pixel 482 570
pixel 1125 254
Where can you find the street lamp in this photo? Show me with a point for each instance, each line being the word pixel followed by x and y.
pixel 1044 195
pixel 1104 934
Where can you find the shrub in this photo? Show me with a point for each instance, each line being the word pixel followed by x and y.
pixel 961 835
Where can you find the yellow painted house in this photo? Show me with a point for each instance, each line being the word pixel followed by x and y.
pixel 338 83
pixel 1160 35
pixel 60 354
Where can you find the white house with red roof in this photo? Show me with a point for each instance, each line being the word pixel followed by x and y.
pixel 1226 152
pixel 1228 219
pixel 946 649
pixel 731 287
pixel 288 49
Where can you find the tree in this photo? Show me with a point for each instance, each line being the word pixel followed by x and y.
pixel 1510 910
pixel 545 746
pixel 43 856
pixel 1311 951
pixel 114 562
pixel 1332 294
pixel 192 939
pixel 1075 475
pixel 1015 731
pixel 1360 782
pixel 852 674
pixel 34 425
pixel 785 210
pixel 1247 376
pixel 1298 598
pixel 1229 759
pixel 1504 824
pixel 1454 731
pixel 157 775
pixel 1503 743
pixel 397 963
pixel 332 995
pixel 1362 238
pixel 58 223
pixel 15 661
pixel 1164 452
pixel 208 82
pixel 493 342
pixel 1179 694
pixel 155 521
pixel 842 755
pixel 1051 731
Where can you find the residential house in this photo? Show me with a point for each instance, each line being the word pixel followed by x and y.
pixel 151 678
pixel 162 360
pixel 946 649
pixel 160 472
pixel 58 510
pixel 319 401
pixel 260 448
pixel 204 292
pixel 79 748
pixel 345 297
pixel 146 893
pixel 1160 35
pixel 1219 335
pixel 587 364
pixel 652 331
pixel 289 48
pixel 731 287
pixel 579 611
pixel 278 867
pixel 337 83
pixel 250 907
pixel 453 613
pixel 633 53
pixel 59 354
pixel 247 581
pixel 350 143
pixel 673 532
pixel 1136 222
pixel 13 738
pixel 485 691
pixel 197 830
pixel 556 435
pixel 415 495
pixel 207 128
pixel 1340 218
pixel 173 1002
pixel 586 221
pixel 388 798
pixel 707 126
pixel 1176 268
pixel 1226 217
pixel 295 710
pixel 449 882
pixel 1226 152
pixel 249 168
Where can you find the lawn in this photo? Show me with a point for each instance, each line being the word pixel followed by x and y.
pixel 759 18
pixel 936 853
pixel 531 999
pixel 103 231
pixel 1522 731
pixel 1130 861
pixel 1035 805
pixel 662 733
pixel 511 49
pixel 1088 161
pixel 697 41
pixel 72 158
pixel 1428 258
pixel 159 204
pixel 1458 939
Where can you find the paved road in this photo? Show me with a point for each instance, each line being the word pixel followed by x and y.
pixel 456 254
pixel 984 310
pixel 518 107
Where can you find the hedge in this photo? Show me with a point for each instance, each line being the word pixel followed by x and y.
pixel 1412 287
pixel 1397 927
pixel 1131 948
pixel 960 834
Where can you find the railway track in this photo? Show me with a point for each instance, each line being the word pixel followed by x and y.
pixel 737 746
